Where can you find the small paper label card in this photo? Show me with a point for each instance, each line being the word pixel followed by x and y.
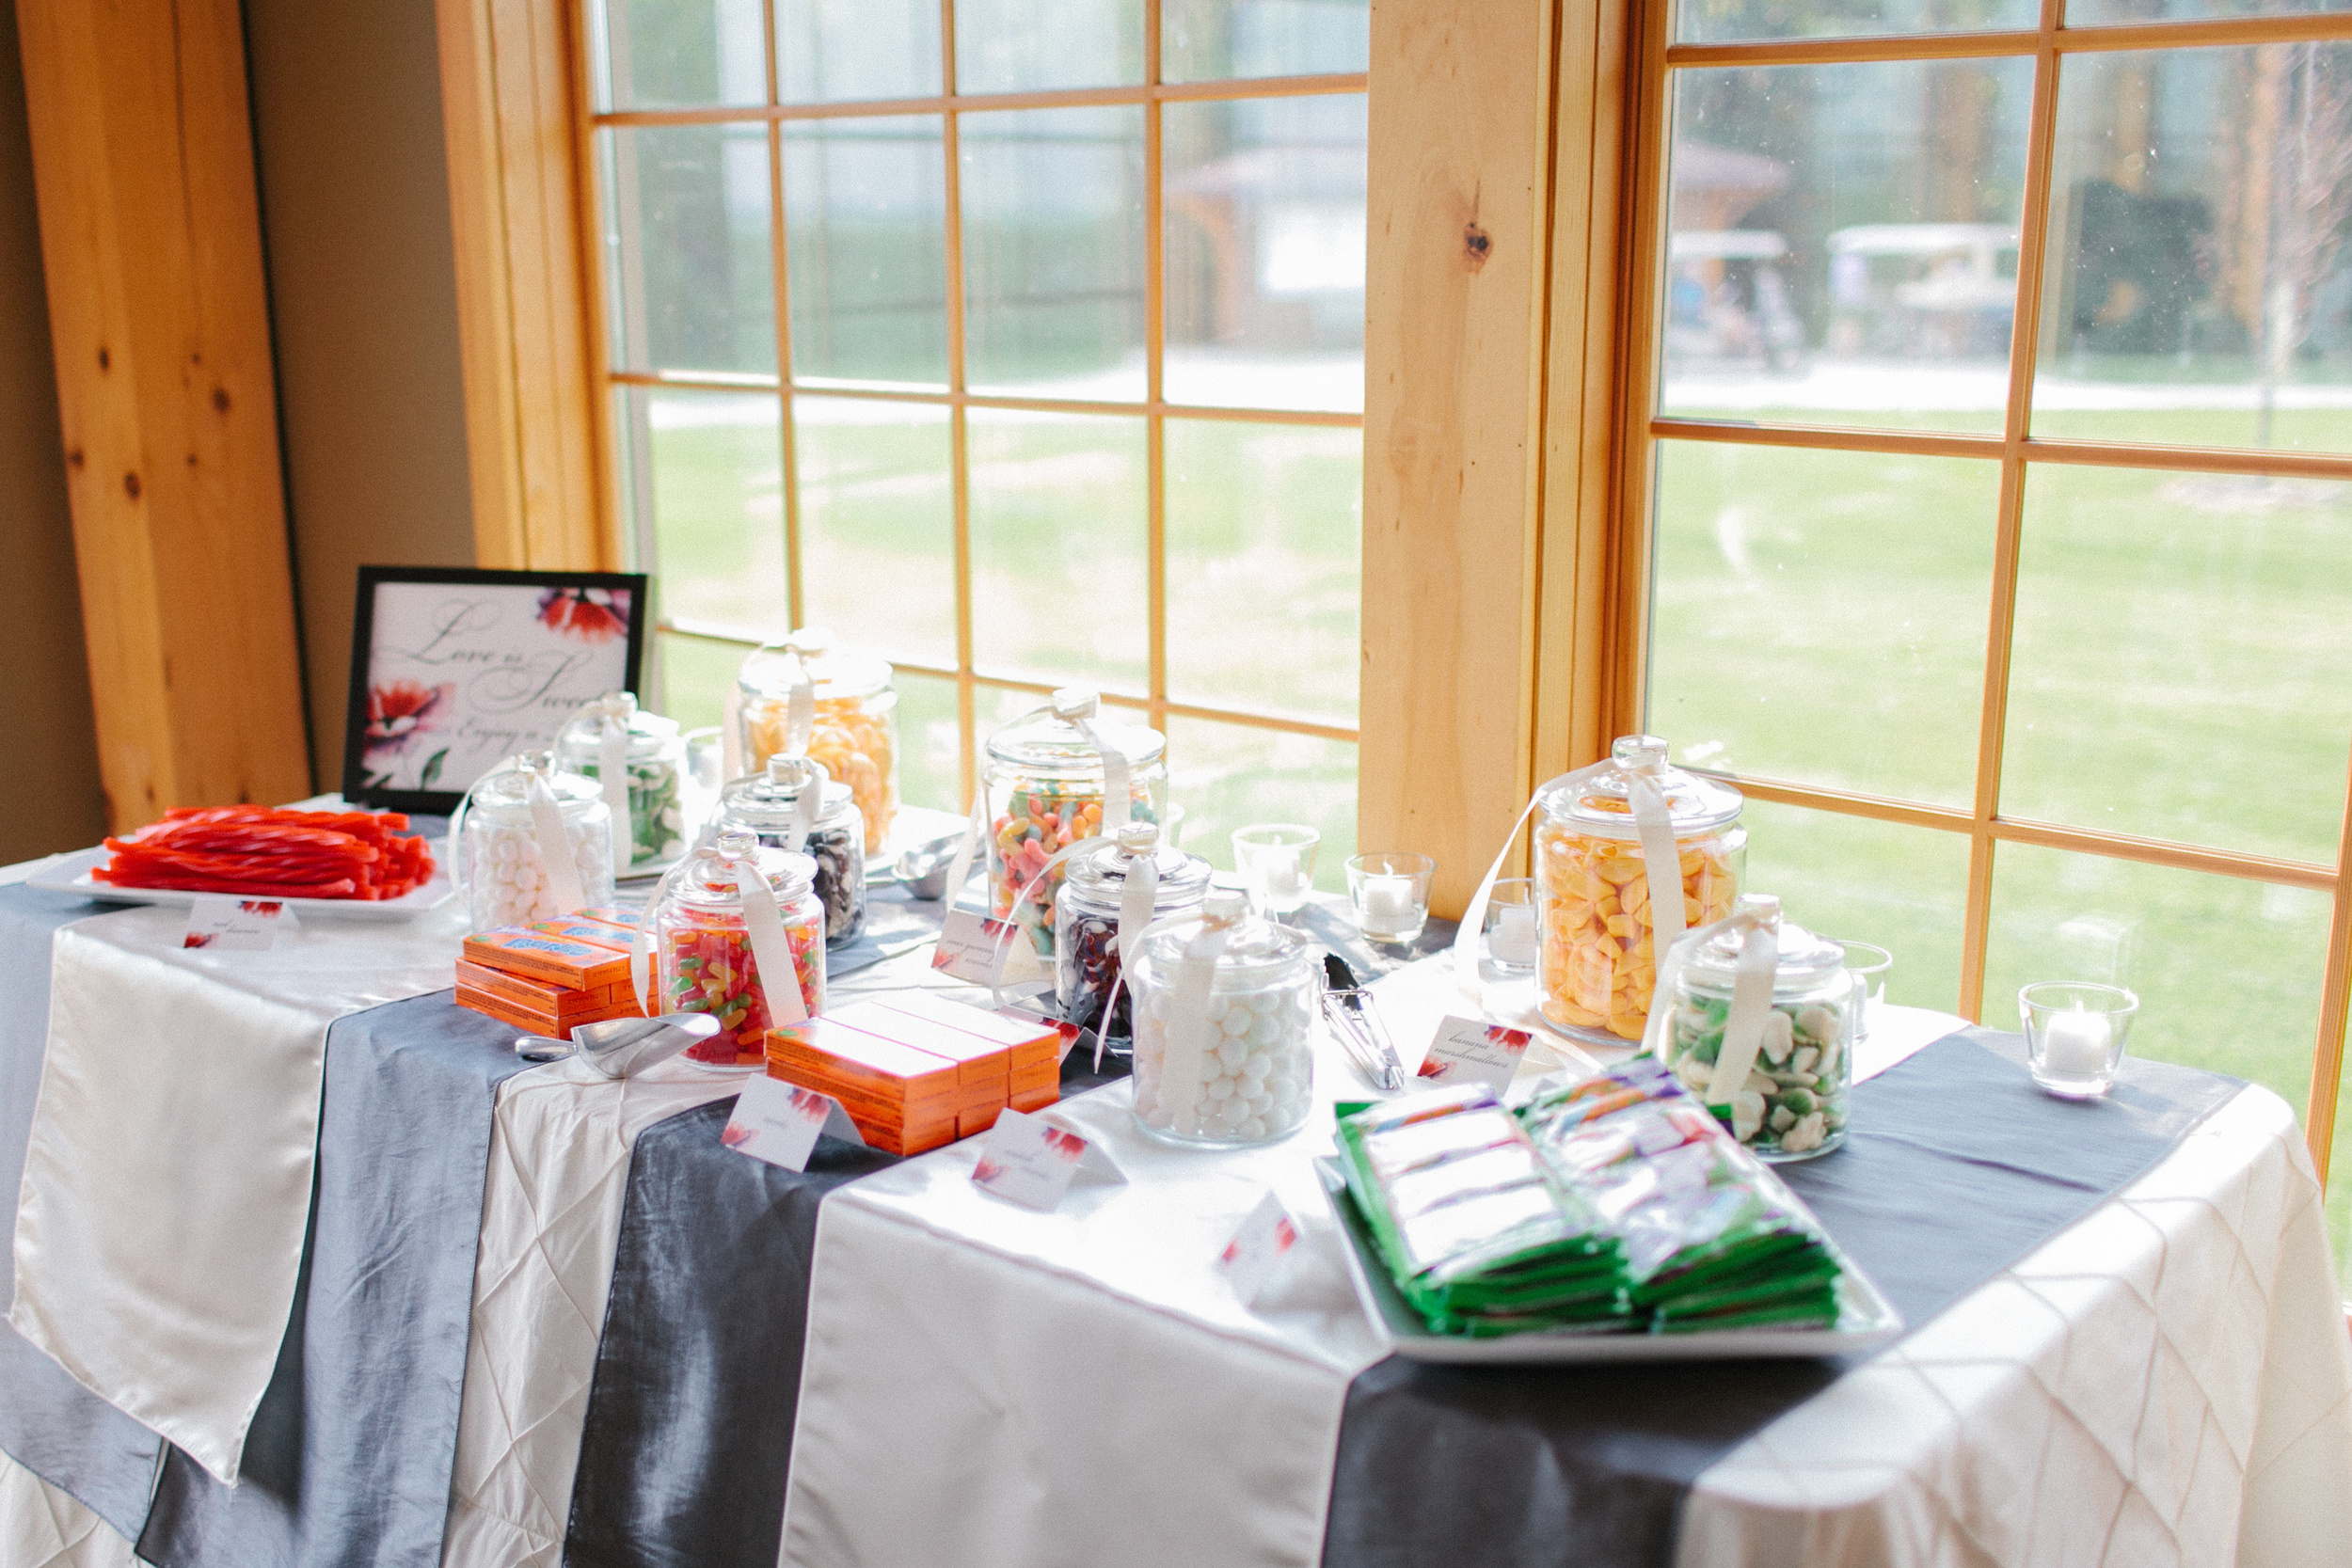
pixel 1029 1161
pixel 1471 1051
pixel 1266 1235
pixel 781 1122
pixel 968 944
pixel 237 924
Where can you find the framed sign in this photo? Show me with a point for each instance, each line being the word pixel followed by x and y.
pixel 453 670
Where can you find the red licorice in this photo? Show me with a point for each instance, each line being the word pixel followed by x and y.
pixel 263 852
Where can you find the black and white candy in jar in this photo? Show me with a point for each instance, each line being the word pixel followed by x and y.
pixel 1087 915
pixel 793 805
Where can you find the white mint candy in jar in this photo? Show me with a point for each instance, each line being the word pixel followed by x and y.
pixel 1224 1003
pixel 496 839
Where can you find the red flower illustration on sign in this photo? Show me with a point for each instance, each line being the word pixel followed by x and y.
pixel 591 614
pixel 734 1132
pixel 399 711
pixel 1067 1145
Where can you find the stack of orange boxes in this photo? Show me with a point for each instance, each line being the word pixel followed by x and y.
pixel 916 1071
pixel 552 977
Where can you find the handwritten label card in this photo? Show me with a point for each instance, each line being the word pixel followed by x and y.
pixel 1031 1162
pixel 228 924
pixel 1471 1051
pixel 781 1122
pixel 1265 1238
pixel 968 941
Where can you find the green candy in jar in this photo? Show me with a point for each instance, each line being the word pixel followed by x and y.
pixel 649 814
pixel 1046 782
pixel 1783 1090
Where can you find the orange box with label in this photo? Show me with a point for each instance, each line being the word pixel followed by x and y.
pixel 560 960
pixel 903 1100
pixel 1034 1048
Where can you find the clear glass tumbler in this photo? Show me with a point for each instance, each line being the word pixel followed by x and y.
pixel 2075 1034
pixel 1391 892
pixel 1277 862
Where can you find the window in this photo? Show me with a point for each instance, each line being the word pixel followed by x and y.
pixel 1995 490
pixel 1022 343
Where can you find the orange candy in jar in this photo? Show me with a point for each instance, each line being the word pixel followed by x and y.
pixel 856 730
pixel 1597 963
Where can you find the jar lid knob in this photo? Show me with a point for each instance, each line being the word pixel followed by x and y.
pixel 1138 838
pixel 618 706
pixel 1076 701
pixel 1640 754
pixel 534 762
pixel 1764 904
pixel 736 844
pixel 1223 906
pixel 810 640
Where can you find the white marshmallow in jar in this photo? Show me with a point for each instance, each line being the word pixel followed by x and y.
pixel 1224 1003
pixel 531 841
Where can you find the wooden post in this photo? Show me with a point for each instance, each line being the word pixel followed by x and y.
pixel 515 110
pixel 1454 382
pixel 151 242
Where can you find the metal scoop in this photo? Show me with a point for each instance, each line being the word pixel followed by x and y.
pixel 622 1047
pixel 920 868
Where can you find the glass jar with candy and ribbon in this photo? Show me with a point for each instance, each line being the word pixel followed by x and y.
pixel 1757 1016
pixel 791 805
pixel 726 918
pixel 1056 777
pixel 638 759
pixel 1223 1004
pixel 804 696
pixel 1111 898
pixel 531 841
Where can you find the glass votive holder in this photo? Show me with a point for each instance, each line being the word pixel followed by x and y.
pixel 1391 892
pixel 1277 862
pixel 1510 925
pixel 1868 963
pixel 2075 1034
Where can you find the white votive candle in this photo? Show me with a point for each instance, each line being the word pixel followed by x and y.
pixel 2074 1045
pixel 1514 938
pixel 1387 903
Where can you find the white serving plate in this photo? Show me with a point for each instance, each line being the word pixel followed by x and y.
pixel 71 873
pixel 1866 1322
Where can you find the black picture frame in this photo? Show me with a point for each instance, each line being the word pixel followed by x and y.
pixel 592 600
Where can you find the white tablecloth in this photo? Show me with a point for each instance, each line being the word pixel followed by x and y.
pixel 1089 1393
pixel 167 1188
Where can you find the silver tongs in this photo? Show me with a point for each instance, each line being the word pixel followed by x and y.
pixel 622 1047
pixel 1348 1008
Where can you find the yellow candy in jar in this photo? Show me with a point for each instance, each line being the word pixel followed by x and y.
pixel 1597 966
pixel 855 734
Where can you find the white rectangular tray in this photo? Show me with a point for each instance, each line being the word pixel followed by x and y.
pixel 1867 1321
pixel 71 873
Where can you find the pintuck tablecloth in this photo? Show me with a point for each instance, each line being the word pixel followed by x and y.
pixel 167 1186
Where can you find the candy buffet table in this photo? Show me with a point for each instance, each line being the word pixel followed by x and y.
pixel 1116 1375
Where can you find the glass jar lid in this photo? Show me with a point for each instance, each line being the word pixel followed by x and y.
pixel 1257 951
pixel 1049 741
pixel 705 879
pixel 504 792
pixel 650 734
pixel 768 672
pixel 1597 800
pixel 1805 960
pixel 1101 875
pixel 764 801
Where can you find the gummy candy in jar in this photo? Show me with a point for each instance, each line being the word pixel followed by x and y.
pixel 791 805
pixel 651 792
pixel 1045 780
pixel 1087 916
pixel 1223 1002
pixel 855 713
pixel 531 841
pixel 1596 959
pixel 706 942
pixel 1782 1088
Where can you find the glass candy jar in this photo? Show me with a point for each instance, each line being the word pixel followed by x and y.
pixel 1086 922
pixel 856 729
pixel 1784 1094
pixel 768 804
pixel 703 943
pixel 1241 1070
pixel 653 759
pixel 496 844
pixel 1044 783
pixel 1595 962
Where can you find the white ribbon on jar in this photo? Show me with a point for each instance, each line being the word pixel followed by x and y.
pixel 1073 705
pixel 772 950
pixel 731 733
pixel 557 863
pixel 1662 865
pixel 1003 939
pixel 1138 897
pixel 1753 976
pixel 612 772
pixel 1188 1023
pixel 807 803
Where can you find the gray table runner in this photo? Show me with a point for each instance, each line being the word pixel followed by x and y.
pixel 1956 1167
pixel 49 1423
